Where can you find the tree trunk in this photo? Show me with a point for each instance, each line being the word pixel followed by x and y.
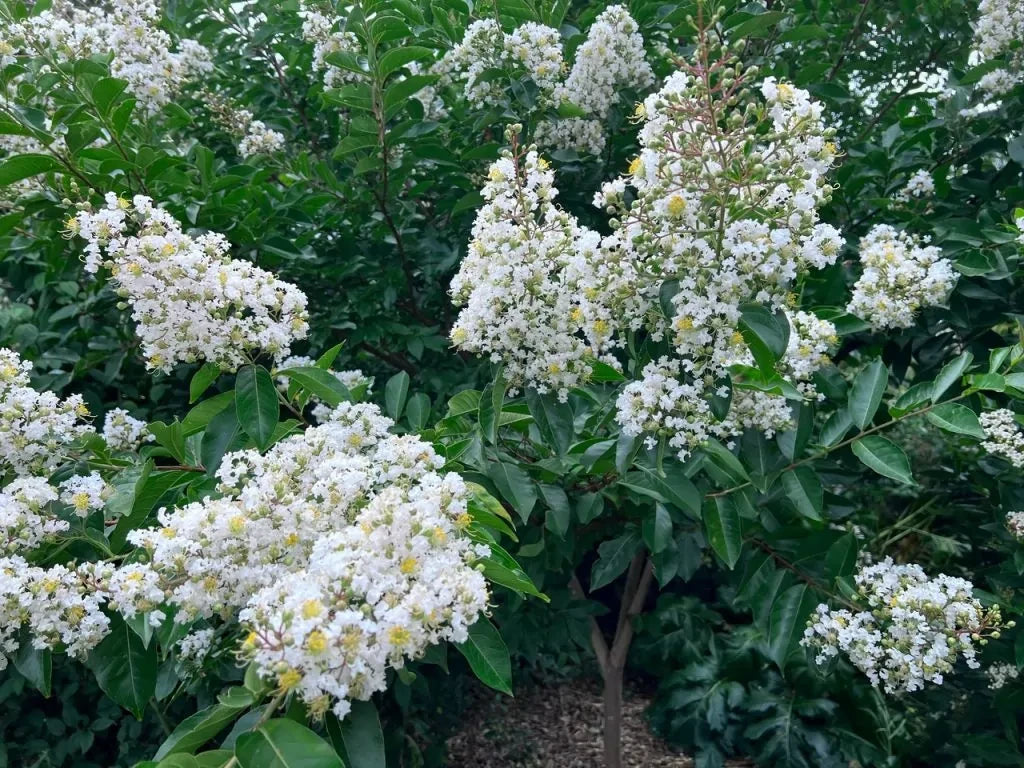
pixel 613 717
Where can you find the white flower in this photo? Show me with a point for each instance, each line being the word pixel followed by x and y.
pixel 611 59
pixel 900 277
pixel 35 427
pixel 1003 437
pixel 123 432
pixel 919 185
pixel 25 516
pixel 189 300
pixel 999 28
pixel 85 493
pixel 341 549
pixel 1015 525
pixel 912 628
pixel 130 30
pixel 1000 674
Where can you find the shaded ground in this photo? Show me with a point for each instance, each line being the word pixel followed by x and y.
pixel 555 727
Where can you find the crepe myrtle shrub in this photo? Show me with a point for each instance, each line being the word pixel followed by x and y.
pixel 670 397
pixel 321 552
pixel 718 303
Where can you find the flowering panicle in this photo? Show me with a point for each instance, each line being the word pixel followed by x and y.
pixel 36 428
pixel 123 432
pixel 920 185
pixel 140 52
pixel 999 29
pixel 611 59
pixel 189 300
pixel 911 629
pixel 521 284
pixel 341 549
pixel 900 277
pixel 1015 525
pixel 532 49
pixel 253 136
pixel 1003 436
pixel 1000 673
pixel 322 31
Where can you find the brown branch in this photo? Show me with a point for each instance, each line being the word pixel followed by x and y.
pixel 848 41
pixel 623 638
pixel 597 641
pixel 390 357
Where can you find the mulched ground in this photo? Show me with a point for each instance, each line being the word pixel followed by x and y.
pixel 555 727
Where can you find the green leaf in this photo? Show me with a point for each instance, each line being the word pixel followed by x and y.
pixel 197 419
pixel 885 457
pixel 951 373
pixel 194 731
pixel 657 529
pixel 106 91
pixel 804 489
pixel 395 392
pixel 553 419
pixel 957 418
pixel 613 558
pixel 256 403
pixel 492 401
pixel 34 664
pixel 21 167
pixel 466 401
pixel 359 738
pixel 124 668
pixel 202 380
pixel 866 393
pixel 284 743
pixel 487 656
pixel 515 486
pixel 418 411
pixel 787 621
pixel 559 511
pixel 756 26
pixel 223 434
pixel 326 360
pixel 835 427
pixel 316 381
pixel 766 334
pixel 398 57
pixel 722 521
pixel 602 372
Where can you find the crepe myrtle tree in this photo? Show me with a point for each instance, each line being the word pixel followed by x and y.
pixel 667 391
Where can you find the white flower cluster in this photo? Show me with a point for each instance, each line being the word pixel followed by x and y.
pixel 84 493
pixel 521 282
pixel 123 432
pixel 35 427
pixel 58 605
pixel 1015 525
pixel 997 34
pixel 1000 674
pixel 126 30
pixel 1003 437
pixel 719 217
pixel 25 517
pixel 320 30
pixel 355 381
pixel 189 299
pixel 660 403
pixel 911 628
pixel 531 49
pixel 253 136
pixel 918 186
pixel 611 59
pixel 810 340
pixel 341 549
pixel 900 277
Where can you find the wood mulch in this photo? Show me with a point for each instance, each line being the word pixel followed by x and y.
pixel 555 727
